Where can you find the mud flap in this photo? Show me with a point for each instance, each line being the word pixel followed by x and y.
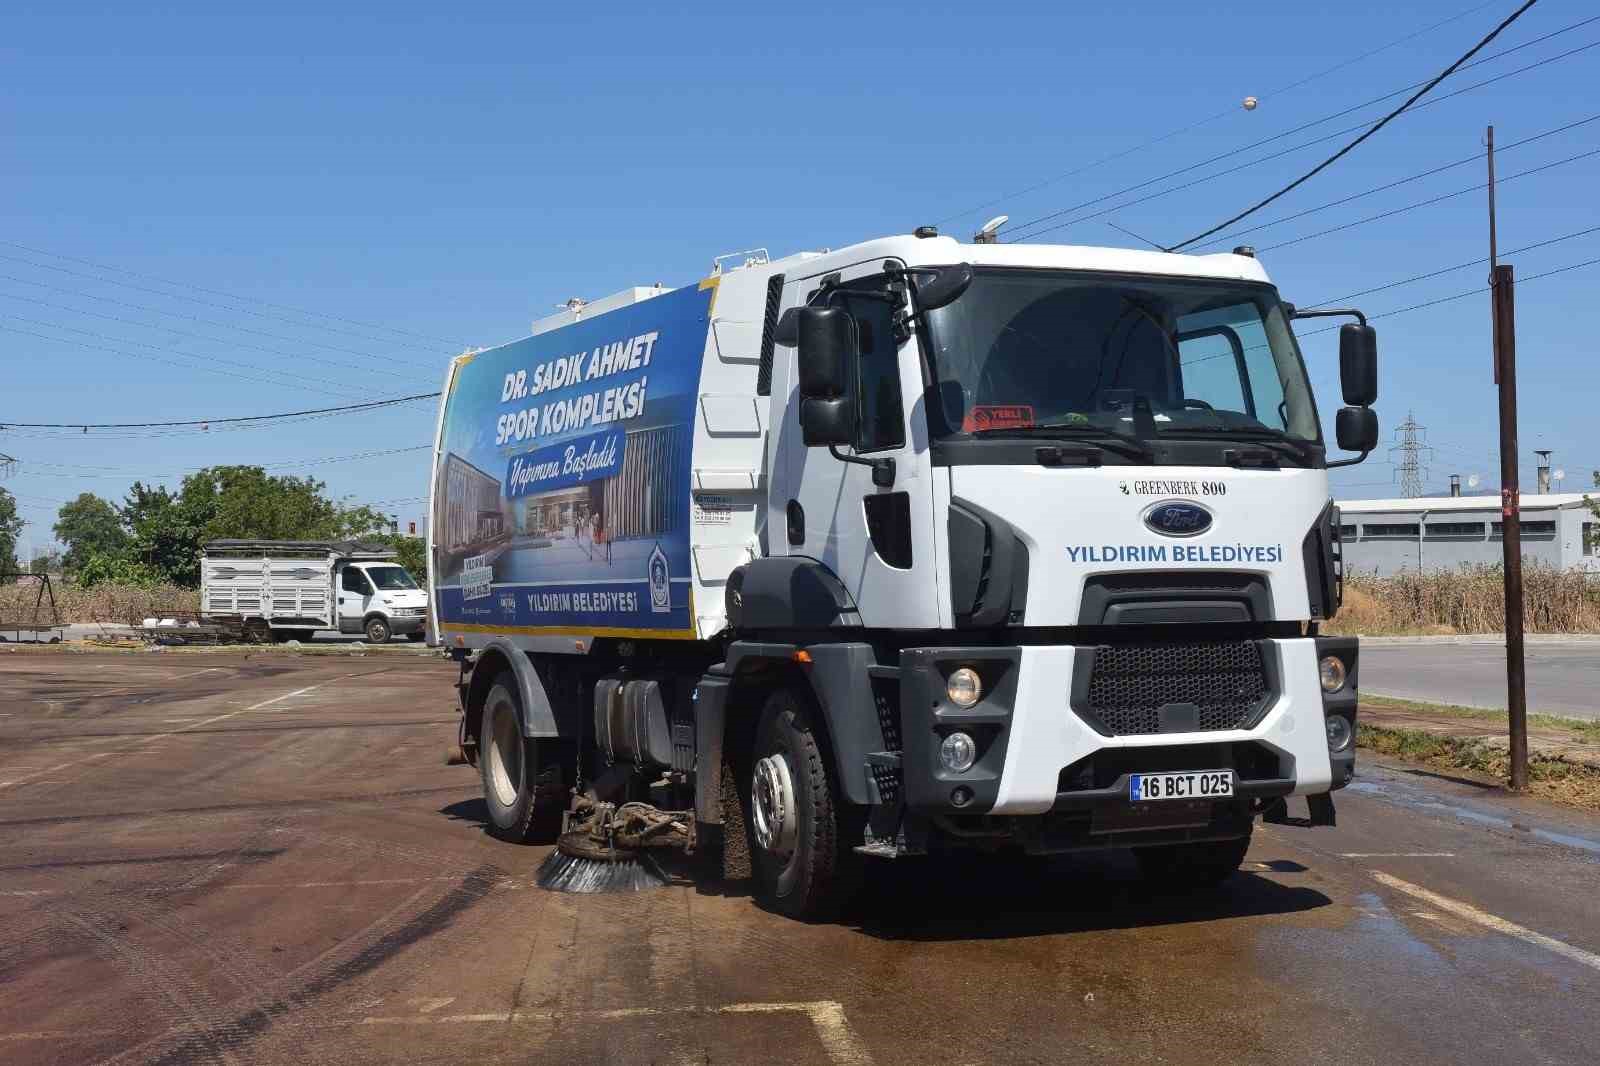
pixel 1320 807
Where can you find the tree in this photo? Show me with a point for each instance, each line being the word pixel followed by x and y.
pixel 166 529
pixel 411 553
pixel 10 528
pixel 89 526
pixel 1591 530
pixel 47 563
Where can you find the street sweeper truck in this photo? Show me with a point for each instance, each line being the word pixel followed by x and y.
pixel 915 546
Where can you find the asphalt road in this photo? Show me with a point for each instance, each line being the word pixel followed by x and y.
pixel 222 858
pixel 1562 678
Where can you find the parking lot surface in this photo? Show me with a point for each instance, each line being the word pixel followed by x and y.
pixel 228 857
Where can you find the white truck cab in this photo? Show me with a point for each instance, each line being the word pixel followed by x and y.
pixel 907 547
pixel 380 599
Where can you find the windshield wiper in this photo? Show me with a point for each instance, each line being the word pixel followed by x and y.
pixel 1100 436
pixel 1273 438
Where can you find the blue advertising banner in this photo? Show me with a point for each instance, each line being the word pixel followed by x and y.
pixel 562 489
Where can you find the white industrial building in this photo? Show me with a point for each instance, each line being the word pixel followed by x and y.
pixel 1430 533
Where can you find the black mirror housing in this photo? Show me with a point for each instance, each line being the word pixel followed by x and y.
pixel 827 343
pixel 1356 428
pixel 1358 364
pixel 827 421
pixel 945 288
pixel 787 333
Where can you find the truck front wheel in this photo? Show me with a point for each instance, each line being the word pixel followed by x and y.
pixel 377 631
pixel 1190 866
pixel 523 780
pixel 795 813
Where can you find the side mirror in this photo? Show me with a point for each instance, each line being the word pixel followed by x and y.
pixel 827 421
pixel 1358 366
pixel 827 343
pixel 787 334
pixel 1356 427
pixel 946 287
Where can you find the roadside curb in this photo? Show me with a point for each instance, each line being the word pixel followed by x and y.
pixel 1495 639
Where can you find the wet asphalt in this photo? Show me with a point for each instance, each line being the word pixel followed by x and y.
pixel 233 858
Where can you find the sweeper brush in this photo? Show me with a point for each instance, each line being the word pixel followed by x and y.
pixel 605 848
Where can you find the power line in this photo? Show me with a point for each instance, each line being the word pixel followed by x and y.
pixel 1458 266
pixel 1460 295
pixel 292 381
pixel 78 469
pixel 1152 142
pixel 228 295
pixel 1204 179
pixel 1228 238
pixel 231 419
pixel 1308 125
pixel 171 362
pixel 1380 124
pixel 1428 202
pixel 196 336
pixel 203 321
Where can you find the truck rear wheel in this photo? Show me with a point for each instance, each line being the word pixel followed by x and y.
pixel 794 814
pixel 1190 866
pixel 523 779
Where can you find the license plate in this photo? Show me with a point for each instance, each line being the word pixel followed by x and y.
pixel 1192 785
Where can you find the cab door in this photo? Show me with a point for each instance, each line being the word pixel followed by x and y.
pixel 877 538
pixel 355 598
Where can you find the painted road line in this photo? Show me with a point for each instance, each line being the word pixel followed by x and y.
pixel 1489 921
pixel 53 769
pixel 843 1045
pixel 184 729
pixel 1397 854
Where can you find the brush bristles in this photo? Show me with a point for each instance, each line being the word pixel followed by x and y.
pixel 561 872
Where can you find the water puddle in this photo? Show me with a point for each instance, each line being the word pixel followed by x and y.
pixel 1392 791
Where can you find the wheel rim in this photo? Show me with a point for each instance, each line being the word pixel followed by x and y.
pixel 504 757
pixel 377 633
pixel 774 815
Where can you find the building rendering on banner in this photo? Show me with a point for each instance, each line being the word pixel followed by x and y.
pixel 1446 532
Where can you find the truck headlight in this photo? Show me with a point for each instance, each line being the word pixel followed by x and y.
pixel 958 752
pixel 963 687
pixel 1332 673
pixel 1338 732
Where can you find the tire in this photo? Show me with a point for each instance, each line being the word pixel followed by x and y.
pixel 523 780
pixel 800 870
pixel 377 631
pixel 1187 867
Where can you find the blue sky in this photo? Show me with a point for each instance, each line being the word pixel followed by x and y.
pixel 359 193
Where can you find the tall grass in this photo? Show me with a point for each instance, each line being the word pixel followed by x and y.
pixel 118 604
pixel 1468 600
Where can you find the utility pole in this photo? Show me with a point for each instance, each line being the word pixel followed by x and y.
pixel 1505 336
pixel 1494 258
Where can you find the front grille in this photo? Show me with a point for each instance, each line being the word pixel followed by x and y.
pixel 1129 685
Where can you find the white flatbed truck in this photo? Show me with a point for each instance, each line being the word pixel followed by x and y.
pixel 290 589
pixel 907 547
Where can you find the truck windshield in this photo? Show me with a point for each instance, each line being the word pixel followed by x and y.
pixel 1024 350
pixel 390 578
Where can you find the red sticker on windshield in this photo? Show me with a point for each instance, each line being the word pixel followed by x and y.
pixel 997 416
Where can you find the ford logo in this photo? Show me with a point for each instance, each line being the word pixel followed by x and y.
pixel 1177 518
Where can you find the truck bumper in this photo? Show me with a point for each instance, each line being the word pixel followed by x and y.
pixel 1050 741
pixel 400 625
